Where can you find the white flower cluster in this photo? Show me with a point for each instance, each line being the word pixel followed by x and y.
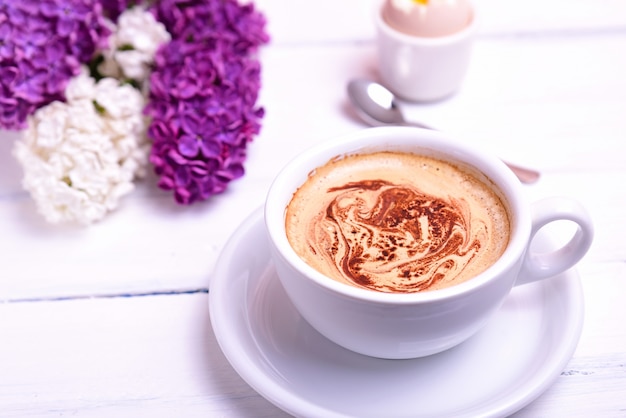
pixel 132 46
pixel 81 157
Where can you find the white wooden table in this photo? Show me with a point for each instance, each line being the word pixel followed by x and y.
pixel 113 320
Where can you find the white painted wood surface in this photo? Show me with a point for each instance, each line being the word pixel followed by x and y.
pixel 112 320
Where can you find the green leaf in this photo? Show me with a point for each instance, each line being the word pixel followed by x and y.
pixel 99 108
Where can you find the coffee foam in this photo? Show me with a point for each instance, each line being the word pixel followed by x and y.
pixel 396 222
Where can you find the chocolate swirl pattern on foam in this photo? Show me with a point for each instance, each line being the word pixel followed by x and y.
pixel 394 238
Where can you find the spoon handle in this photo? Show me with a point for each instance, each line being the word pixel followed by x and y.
pixel 418 125
pixel 525 175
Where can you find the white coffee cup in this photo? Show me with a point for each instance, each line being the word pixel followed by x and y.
pixel 409 325
pixel 423 69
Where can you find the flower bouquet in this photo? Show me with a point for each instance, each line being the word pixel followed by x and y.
pixel 103 91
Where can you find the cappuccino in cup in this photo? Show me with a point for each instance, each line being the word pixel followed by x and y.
pixel 397 222
pixel 429 233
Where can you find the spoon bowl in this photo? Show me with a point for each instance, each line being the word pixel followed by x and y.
pixel 377 106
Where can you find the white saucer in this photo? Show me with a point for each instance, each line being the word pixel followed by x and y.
pixel 504 367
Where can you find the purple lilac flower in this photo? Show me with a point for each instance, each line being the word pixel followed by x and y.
pixel 211 21
pixel 42 44
pixel 114 8
pixel 203 93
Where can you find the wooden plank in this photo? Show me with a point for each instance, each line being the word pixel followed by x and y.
pixel 151 244
pixel 158 355
pixel 300 22
pixel 154 356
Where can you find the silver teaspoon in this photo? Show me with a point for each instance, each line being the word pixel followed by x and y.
pixel 377 106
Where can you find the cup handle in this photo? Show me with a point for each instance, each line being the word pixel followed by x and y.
pixel 540 265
